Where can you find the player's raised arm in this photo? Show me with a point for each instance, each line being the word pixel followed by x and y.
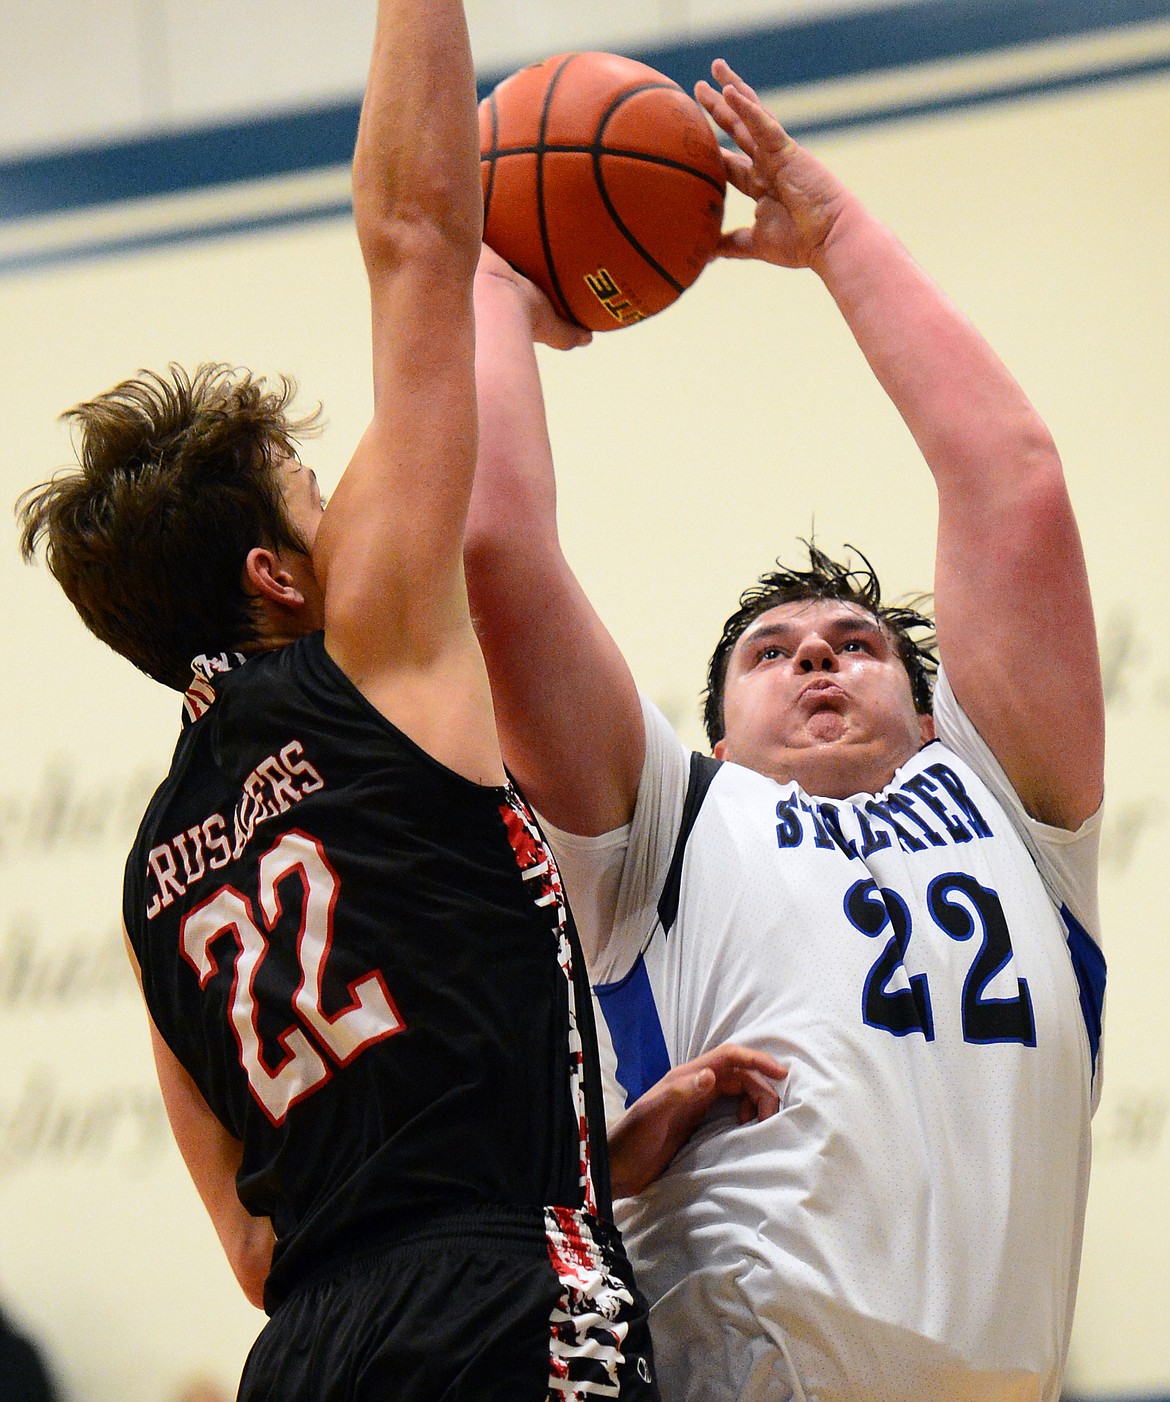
pixel 388 551
pixel 1015 621
pixel 568 714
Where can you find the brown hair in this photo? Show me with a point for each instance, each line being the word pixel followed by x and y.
pixel 149 534
pixel 825 578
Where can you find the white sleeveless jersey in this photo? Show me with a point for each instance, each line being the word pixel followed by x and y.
pixel 925 961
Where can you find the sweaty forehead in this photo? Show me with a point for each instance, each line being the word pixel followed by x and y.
pixel 799 615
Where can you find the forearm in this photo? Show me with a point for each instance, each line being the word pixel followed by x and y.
pixel 972 421
pixel 566 708
pixel 514 501
pixel 416 161
pixel 213 1158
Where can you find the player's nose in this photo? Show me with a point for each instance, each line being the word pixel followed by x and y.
pixel 814 655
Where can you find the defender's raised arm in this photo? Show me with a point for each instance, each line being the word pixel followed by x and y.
pixel 389 549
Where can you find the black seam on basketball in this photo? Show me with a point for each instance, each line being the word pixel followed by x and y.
pixel 542 221
pixel 597 149
pixel 628 93
pixel 625 233
pixel 664 161
pixel 601 149
pixel 599 139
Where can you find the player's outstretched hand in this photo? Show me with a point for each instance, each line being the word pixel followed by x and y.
pixel 660 1122
pixel 797 199
pixel 547 327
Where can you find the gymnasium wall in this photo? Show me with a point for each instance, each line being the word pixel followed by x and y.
pixel 1022 152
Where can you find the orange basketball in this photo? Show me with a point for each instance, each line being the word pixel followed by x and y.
pixel 603 183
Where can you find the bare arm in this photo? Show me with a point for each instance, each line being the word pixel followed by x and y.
pixel 568 713
pixel 1015 620
pixel 212 1156
pixel 389 549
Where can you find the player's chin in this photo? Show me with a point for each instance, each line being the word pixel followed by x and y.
pixel 827 726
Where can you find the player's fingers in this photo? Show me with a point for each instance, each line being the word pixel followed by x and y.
pixel 758 1099
pixel 752 1076
pixel 491 262
pixel 693 1095
pixel 764 1062
pixel 765 134
pixel 741 173
pixel 764 1096
pixel 725 75
pixel 690 1085
pixel 730 1058
pixel 703 1082
pixel 736 243
pixel 570 336
pixel 720 110
pixel 744 1081
pixel 757 1103
pixel 712 101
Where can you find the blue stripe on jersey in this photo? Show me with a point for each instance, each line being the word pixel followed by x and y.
pixel 635 1030
pixel 1089 966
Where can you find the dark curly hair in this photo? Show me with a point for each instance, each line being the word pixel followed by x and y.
pixel 175 483
pixel 912 631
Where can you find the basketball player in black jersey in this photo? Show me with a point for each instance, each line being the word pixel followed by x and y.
pixel 368 1008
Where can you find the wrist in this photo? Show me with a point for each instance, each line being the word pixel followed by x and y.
pixel 851 240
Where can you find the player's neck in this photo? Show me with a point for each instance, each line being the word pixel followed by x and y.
pixel 838 771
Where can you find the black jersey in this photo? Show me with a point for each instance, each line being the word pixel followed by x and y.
pixel 364 962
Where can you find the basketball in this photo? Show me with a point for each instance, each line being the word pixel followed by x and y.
pixel 603 183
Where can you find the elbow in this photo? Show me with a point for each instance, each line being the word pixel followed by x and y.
pixel 503 575
pixel 508 551
pixel 250 1258
pixel 510 522
pixel 1041 491
pixel 485 541
pixel 253 1288
pixel 437 227
pixel 1037 452
pixel 485 567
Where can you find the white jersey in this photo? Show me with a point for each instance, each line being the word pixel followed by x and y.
pixel 926 963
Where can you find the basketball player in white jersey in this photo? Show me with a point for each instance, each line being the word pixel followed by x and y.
pixel 892 893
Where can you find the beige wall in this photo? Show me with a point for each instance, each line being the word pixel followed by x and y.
pixel 693 449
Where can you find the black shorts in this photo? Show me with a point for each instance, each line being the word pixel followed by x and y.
pixel 496 1305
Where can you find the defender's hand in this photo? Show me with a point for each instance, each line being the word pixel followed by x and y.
pixel 798 200
pixel 548 328
pixel 660 1122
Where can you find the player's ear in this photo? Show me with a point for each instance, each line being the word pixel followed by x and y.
pixel 266 576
